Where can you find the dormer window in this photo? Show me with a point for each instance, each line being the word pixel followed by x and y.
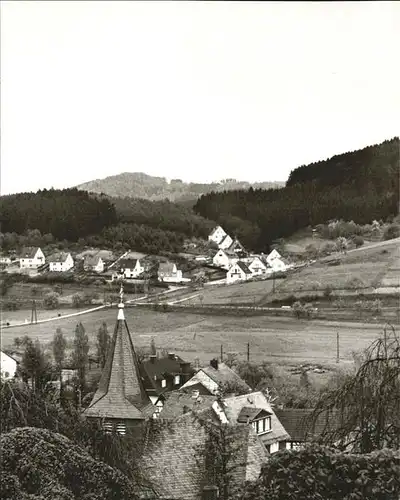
pixel 262 425
pixel 163 383
pixel 177 380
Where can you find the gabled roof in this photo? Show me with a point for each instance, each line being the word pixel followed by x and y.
pixel 224 238
pixel 227 252
pixel 216 229
pixel 127 263
pixel 59 257
pixel 242 266
pixel 223 375
pixel 248 414
pixel 121 393
pixel 28 252
pixel 92 260
pixel 299 424
pixel 234 405
pixel 166 267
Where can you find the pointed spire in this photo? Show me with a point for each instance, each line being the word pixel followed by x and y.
pixel 121 393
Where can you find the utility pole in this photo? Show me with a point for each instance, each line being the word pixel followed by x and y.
pixel 222 353
pixel 248 352
pixel 337 347
pixel 273 282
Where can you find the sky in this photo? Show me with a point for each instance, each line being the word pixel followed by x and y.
pixel 200 91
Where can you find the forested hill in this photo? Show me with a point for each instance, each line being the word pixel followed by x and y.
pixel 140 185
pixel 360 186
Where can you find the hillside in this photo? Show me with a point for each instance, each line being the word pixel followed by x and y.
pixel 360 185
pixel 140 185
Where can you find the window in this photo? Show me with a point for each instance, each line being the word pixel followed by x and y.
pixel 120 428
pixel 177 379
pixel 163 383
pixel 262 425
pixel 117 426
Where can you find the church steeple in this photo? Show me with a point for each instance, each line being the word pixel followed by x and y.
pixel 121 393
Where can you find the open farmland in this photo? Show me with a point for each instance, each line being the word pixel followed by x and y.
pixel 278 339
pixel 368 266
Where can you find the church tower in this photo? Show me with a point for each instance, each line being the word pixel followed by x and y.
pixel 121 401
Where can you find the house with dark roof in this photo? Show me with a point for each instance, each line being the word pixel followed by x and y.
pixel 31 258
pixel 211 379
pixel 93 263
pixel 121 400
pixel 164 374
pixel 302 428
pixel 238 272
pixel 226 242
pixel 217 235
pixel 130 268
pixel 169 273
pixel 61 262
pixel 237 247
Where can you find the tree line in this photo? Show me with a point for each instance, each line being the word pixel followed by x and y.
pixel 360 186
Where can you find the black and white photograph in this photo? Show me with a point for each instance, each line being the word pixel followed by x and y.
pixel 200 250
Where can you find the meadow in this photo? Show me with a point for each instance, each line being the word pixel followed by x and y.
pixel 277 339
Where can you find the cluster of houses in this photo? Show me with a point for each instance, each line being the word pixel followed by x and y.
pixel 239 264
pixel 32 259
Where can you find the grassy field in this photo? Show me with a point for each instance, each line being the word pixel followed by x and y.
pixel 278 339
pixel 370 265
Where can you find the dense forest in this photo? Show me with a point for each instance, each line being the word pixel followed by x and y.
pixel 70 215
pixel 140 185
pixel 361 186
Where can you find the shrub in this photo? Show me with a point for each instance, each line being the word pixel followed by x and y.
pixel 392 231
pixel 77 300
pixel 51 301
pixel 358 241
pixel 328 292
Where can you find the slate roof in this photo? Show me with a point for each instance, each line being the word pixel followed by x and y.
pixel 243 267
pixel 58 257
pixel 178 403
pixel 234 405
pixel 121 393
pixel 248 414
pixel 28 252
pixel 224 238
pixel 127 263
pixel 223 375
pixel 300 426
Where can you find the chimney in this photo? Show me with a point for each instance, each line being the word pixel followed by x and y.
pixel 153 358
pixel 210 492
pixel 185 367
pixel 171 355
pixel 214 363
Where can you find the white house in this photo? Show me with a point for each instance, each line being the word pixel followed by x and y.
pixel 169 273
pixel 237 247
pixel 256 266
pixel 224 259
pixel 131 268
pixel 273 255
pixel 93 263
pixel 238 272
pixel 31 258
pixel 8 366
pixel 217 235
pixel 226 242
pixel 61 262
pixel 275 261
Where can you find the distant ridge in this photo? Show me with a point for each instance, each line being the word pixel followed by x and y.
pixel 141 185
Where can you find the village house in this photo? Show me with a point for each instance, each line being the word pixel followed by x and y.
pixel 164 374
pixel 210 379
pixel 237 247
pixel 169 273
pixel 217 235
pixel 256 266
pixel 8 366
pixel 130 268
pixel 31 258
pixel 93 263
pixel 276 262
pixel 61 262
pixel 224 259
pixel 226 242
pixel 238 272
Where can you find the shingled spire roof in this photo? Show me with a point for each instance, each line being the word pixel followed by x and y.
pixel 121 393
